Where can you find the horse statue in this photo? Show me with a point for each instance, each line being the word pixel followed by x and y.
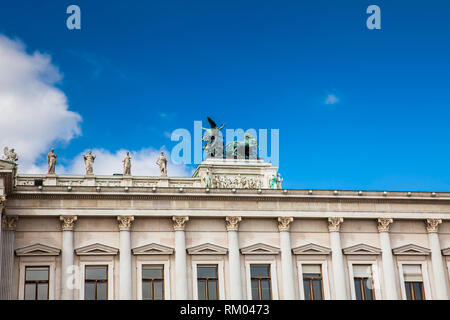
pixel 243 149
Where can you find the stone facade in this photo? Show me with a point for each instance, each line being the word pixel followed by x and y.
pixel 70 222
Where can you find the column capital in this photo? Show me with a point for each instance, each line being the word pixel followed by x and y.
pixel 334 223
pixel 384 224
pixel 432 225
pixel 9 223
pixel 284 223
pixel 68 222
pixel 232 223
pixel 125 222
pixel 179 222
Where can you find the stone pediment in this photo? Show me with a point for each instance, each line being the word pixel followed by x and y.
pixel 37 249
pixel 311 248
pixel 207 248
pixel 411 249
pixel 362 249
pixel 152 248
pixel 96 249
pixel 446 251
pixel 260 248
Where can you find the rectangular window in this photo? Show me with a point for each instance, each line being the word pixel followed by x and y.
pixel 312 281
pixel 412 275
pixel 261 284
pixel 36 283
pixel 207 282
pixel 96 283
pixel 152 282
pixel 362 277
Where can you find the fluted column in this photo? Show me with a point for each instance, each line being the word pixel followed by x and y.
pixel 9 224
pixel 125 279
pixel 440 280
pixel 286 258
pixel 234 257
pixel 67 258
pixel 179 224
pixel 340 285
pixel 390 281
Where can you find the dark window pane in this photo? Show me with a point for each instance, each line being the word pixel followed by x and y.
pixel 260 270
pixel 152 272
pixel 42 291
pixel 201 289
pixel 311 275
pixel 255 289
pixel 307 289
pixel 212 290
pixel 368 292
pixel 146 290
pixel 96 272
pixel 158 290
pixel 30 291
pixel 358 292
pixel 317 287
pixel 408 288
pixel 265 289
pixel 418 290
pixel 36 273
pixel 102 291
pixel 206 271
pixel 89 291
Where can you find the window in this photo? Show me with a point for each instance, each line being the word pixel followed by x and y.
pixel 362 277
pixel 36 283
pixel 207 282
pixel 96 283
pixel 412 275
pixel 152 282
pixel 260 281
pixel 312 281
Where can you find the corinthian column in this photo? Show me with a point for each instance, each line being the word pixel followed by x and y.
pixel 440 280
pixel 179 224
pixel 390 282
pixel 125 284
pixel 234 257
pixel 9 224
pixel 286 258
pixel 67 264
pixel 340 285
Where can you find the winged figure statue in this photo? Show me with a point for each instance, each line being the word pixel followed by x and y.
pixel 214 142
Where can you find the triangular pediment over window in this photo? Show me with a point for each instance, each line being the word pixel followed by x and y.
pixel 38 249
pixel 411 249
pixel 97 249
pixel 207 248
pixel 311 248
pixel 446 251
pixel 362 249
pixel 260 248
pixel 152 248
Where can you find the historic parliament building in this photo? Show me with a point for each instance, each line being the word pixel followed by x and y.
pixel 227 232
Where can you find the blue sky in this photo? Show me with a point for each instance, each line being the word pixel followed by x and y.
pixel 137 70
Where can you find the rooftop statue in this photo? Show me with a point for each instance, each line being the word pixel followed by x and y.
pixel 89 162
pixel 127 164
pixel 51 159
pixel 243 149
pixel 162 163
pixel 10 155
pixel 214 142
pixel 275 181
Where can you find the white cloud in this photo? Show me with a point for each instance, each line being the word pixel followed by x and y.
pixel 331 99
pixel 143 163
pixel 34 113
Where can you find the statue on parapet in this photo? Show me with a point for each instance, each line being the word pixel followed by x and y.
pixel 275 181
pixel 127 164
pixel 214 142
pixel 208 179
pixel 51 159
pixel 162 163
pixel 89 162
pixel 243 149
pixel 10 155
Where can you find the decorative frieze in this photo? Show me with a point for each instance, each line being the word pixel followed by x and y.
pixel 9 223
pixel 284 223
pixel 179 222
pixel 236 181
pixel 334 223
pixel 125 222
pixel 384 224
pixel 68 222
pixel 232 223
pixel 432 225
